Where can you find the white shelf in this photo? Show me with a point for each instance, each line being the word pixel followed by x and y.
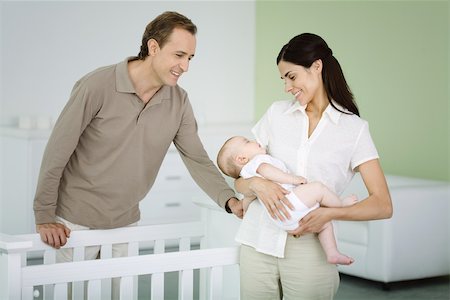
pixel 25 133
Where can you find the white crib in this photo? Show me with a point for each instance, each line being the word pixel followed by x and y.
pixel 21 281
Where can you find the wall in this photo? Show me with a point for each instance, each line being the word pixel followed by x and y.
pixel 47 46
pixel 395 58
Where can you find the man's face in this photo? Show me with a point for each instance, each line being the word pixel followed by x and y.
pixel 172 60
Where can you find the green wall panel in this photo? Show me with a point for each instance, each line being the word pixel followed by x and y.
pixel 395 55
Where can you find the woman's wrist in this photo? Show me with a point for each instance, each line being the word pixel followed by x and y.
pixel 253 184
pixel 335 213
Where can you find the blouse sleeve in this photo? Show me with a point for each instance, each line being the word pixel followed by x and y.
pixel 365 149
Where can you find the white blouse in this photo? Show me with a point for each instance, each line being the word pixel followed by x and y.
pixel 339 144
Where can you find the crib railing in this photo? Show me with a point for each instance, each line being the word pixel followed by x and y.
pixel 20 281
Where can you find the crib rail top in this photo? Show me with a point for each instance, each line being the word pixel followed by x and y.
pixel 32 242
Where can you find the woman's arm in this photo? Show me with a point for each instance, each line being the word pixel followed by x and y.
pixel 269 193
pixel 377 205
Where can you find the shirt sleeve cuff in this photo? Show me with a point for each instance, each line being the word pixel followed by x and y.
pixel 224 197
pixel 44 216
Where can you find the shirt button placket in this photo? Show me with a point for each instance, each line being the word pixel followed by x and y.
pixel 303 158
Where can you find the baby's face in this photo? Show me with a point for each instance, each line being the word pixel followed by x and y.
pixel 248 148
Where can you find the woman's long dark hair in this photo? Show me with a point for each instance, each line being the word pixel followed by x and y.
pixel 306 48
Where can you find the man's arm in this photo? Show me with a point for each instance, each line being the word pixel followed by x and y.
pixel 202 169
pixel 74 118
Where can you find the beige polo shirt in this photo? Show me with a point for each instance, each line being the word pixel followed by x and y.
pixel 106 149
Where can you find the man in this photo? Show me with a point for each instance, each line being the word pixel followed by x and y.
pixel 109 142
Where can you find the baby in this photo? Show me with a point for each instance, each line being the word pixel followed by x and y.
pixel 240 157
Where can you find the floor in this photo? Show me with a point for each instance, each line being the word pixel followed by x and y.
pixel 351 288
pixel 354 288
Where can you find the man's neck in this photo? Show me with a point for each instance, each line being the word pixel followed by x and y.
pixel 142 79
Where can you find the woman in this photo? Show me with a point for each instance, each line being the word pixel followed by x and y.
pixel 320 136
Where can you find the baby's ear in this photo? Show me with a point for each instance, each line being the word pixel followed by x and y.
pixel 241 160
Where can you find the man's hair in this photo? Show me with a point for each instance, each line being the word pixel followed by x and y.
pixel 226 162
pixel 161 27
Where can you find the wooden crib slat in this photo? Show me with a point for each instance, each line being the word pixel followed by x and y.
pixel 185 244
pixel 106 251
pixel 215 287
pixel 160 247
pixel 157 279
pixel 185 277
pixel 133 249
pixel 157 286
pixel 94 290
pixel 27 293
pixel 186 285
pixel 49 259
pixel 61 291
pixel 126 288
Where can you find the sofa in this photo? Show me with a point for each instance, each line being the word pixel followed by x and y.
pixel 413 244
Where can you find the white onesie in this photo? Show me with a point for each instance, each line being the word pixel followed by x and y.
pixel 301 210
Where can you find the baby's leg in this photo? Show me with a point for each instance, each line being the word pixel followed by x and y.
pixel 316 192
pixel 328 242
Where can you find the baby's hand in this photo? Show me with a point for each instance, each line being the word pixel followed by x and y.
pixel 299 180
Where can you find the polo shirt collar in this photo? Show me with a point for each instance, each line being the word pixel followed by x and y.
pixel 123 80
pixel 332 113
pixel 124 84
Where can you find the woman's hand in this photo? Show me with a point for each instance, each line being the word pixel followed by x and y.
pixel 313 222
pixel 272 195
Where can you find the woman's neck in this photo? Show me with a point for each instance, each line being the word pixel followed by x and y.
pixel 318 104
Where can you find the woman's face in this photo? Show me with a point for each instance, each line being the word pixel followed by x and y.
pixel 303 83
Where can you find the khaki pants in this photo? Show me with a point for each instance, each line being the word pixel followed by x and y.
pixel 91 252
pixel 304 273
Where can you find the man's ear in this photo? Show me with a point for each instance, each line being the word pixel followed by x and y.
pixel 153 47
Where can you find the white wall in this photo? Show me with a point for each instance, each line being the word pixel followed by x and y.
pixel 47 46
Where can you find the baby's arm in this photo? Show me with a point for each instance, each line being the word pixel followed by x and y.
pixel 271 172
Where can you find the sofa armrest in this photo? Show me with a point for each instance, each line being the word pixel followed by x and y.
pixel 413 244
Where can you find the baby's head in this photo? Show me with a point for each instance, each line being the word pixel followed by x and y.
pixel 235 153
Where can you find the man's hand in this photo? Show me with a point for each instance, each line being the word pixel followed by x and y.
pixel 53 234
pixel 236 207
pixel 246 202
